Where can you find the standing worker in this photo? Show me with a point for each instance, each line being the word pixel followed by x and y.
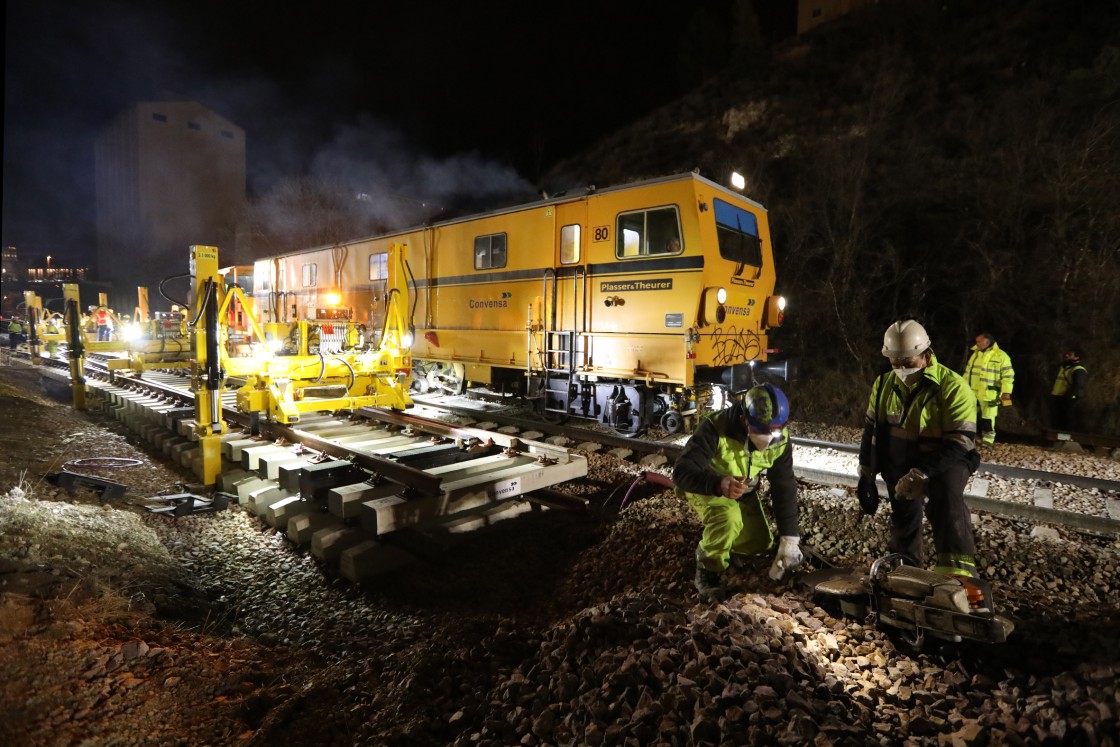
pixel 719 472
pixel 104 324
pixel 919 434
pixel 15 333
pixel 1069 387
pixel 992 378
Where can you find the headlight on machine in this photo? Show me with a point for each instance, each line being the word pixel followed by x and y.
pixel 775 311
pixel 713 310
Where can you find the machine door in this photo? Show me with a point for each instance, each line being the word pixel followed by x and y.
pixel 557 347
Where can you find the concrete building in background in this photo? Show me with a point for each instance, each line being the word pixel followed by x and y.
pixel 168 174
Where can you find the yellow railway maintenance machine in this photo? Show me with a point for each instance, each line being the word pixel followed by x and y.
pixel 637 305
pixel 325 364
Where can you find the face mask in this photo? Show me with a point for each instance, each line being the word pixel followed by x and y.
pixel 908 375
pixel 760 440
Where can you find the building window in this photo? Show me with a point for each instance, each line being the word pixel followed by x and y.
pixel 309 274
pixel 227 134
pixel 490 251
pixel 569 244
pixel 159 117
pixel 194 126
pixel 648 232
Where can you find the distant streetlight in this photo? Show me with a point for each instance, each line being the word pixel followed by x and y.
pixel 48 261
pixel 738 181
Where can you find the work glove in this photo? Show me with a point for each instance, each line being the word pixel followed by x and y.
pixel 789 558
pixel 867 492
pixel 912 485
pixel 1005 400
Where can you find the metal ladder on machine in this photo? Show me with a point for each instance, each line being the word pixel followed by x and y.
pixel 562 354
pixel 559 374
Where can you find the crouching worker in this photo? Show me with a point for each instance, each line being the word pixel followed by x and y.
pixel 719 473
pixel 919 433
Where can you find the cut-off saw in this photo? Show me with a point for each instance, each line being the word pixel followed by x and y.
pixel 912 601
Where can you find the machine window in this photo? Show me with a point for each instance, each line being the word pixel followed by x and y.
pixel 309 274
pixel 490 251
pixel 647 233
pixel 737 231
pixel 378 273
pixel 378 266
pixel 569 244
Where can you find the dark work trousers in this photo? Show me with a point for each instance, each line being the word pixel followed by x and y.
pixel 1063 413
pixel 984 425
pixel 947 512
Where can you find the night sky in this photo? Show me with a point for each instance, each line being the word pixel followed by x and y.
pixel 482 87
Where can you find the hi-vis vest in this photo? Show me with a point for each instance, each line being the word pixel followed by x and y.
pixel 737 459
pixel 1065 379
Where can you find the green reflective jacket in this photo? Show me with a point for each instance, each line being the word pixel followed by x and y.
pixel 989 373
pixel 720 447
pixel 926 425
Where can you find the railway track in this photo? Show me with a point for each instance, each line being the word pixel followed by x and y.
pixel 1082 502
pixel 364 492
pixel 158 408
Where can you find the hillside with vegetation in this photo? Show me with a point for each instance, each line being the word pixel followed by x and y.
pixel 953 161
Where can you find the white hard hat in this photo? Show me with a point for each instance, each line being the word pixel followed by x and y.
pixel 905 339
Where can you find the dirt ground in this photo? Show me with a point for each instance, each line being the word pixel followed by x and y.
pixel 123 627
pixel 106 654
pixel 120 626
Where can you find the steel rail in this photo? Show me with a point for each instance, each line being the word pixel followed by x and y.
pixel 427 483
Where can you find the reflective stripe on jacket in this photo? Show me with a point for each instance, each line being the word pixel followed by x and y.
pixel 989 373
pixel 924 425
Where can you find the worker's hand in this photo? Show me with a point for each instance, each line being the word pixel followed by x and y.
pixel 868 494
pixel 1005 400
pixel 789 558
pixel 732 487
pixel 912 485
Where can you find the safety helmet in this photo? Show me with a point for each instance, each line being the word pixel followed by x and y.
pixel 766 407
pixel 905 339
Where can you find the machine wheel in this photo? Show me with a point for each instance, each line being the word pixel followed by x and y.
pixel 438 378
pixel 672 422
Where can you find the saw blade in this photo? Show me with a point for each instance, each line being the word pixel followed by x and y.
pixel 838 582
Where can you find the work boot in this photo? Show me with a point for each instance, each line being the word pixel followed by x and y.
pixel 737 561
pixel 707 583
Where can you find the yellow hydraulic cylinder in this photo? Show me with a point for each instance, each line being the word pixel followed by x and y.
pixel 77 347
pixel 207 377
